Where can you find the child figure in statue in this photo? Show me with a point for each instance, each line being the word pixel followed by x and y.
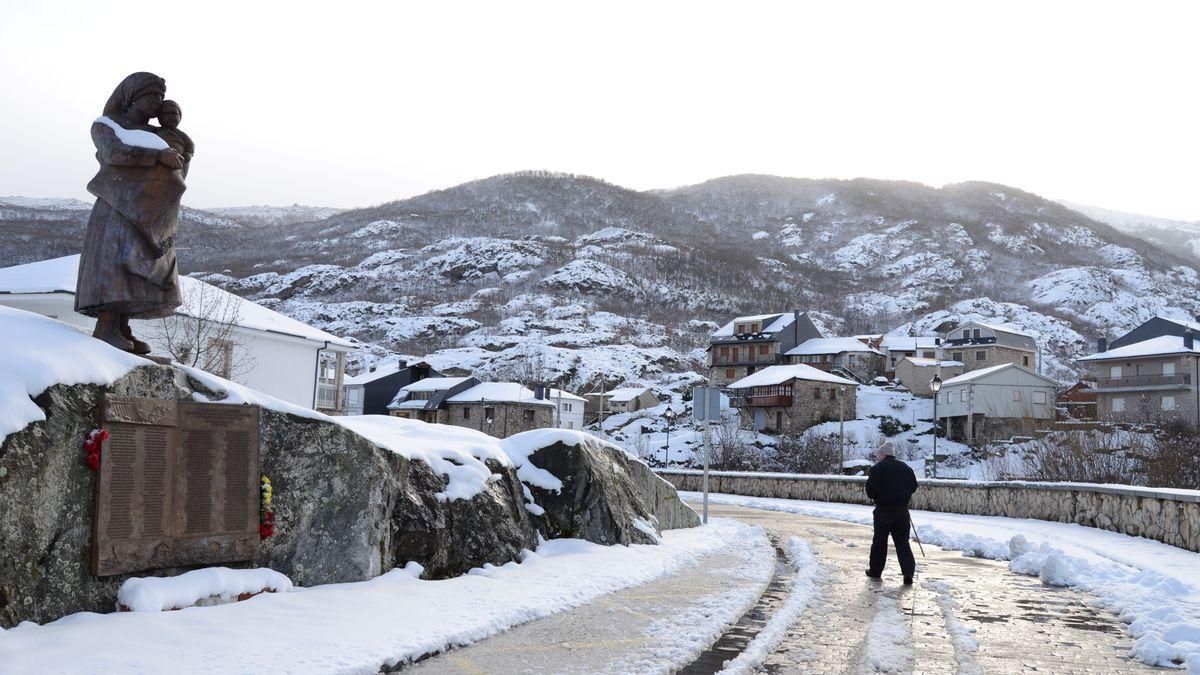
pixel 169 116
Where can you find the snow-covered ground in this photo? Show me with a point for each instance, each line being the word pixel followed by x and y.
pixel 1153 587
pixel 358 627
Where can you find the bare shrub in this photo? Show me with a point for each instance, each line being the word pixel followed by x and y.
pixel 1174 461
pixel 731 448
pixel 1084 457
pixel 798 453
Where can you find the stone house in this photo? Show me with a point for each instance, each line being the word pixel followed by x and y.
pixel 370 392
pixel 1147 380
pixel 897 347
pixel 915 373
pixel 749 343
pixel 619 400
pixel 997 402
pixel 499 409
pixel 426 399
pixel 1077 402
pixel 792 398
pixel 847 357
pixel 983 345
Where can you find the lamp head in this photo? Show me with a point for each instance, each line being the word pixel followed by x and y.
pixel 935 385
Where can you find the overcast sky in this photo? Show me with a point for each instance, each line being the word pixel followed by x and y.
pixel 351 104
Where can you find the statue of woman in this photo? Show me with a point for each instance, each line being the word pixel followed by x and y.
pixel 127 269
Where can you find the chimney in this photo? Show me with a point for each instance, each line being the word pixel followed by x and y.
pixel 1188 340
pixel 403 364
pixel 796 327
pixel 1101 345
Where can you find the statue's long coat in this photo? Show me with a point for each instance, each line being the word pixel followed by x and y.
pixel 128 261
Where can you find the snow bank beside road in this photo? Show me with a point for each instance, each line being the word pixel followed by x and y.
pixel 1153 587
pixel 357 627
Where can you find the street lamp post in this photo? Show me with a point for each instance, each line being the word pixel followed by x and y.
pixel 670 415
pixel 935 385
pixel 842 428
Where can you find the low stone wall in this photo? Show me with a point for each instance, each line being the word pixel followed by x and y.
pixel 1169 516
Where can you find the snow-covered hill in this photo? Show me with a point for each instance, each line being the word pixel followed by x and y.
pixel 1177 235
pixel 572 280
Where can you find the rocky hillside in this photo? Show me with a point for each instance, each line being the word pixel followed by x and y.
pixel 573 280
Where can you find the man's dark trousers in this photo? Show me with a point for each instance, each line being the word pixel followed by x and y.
pixel 891 521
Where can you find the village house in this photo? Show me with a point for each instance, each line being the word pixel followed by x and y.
pixel 426 399
pixel 569 409
pixel 242 341
pixel 370 392
pixel 1077 402
pixel 844 356
pixel 749 343
pixel 983 345
pixel 996 402
pixel 897 347
pixel 619 400
pixel 1159 326
pixel 791 398
pixel 500 409
pixel 915 373
pixel 1148 380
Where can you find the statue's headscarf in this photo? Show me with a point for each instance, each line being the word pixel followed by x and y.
pixel 129 90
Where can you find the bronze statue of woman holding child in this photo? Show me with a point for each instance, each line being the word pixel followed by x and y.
pixel 128 268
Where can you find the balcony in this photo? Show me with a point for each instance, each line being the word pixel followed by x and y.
pixel 756 360
pixel 1143 382
pixel 768 401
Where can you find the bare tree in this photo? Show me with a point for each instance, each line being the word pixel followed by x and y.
pixel 206 336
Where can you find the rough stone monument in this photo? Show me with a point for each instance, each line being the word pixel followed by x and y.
pixel 127 269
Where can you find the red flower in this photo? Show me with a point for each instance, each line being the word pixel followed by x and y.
pixel 92 445
pixel 93 461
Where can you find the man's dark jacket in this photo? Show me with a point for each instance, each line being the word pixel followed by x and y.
pixel 891 483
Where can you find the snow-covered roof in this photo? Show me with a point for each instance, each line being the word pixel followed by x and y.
pixel 907 343
pixel 498 392
pixel 565 395
pixel 1159 346
pixel 371 375
pixel 434 384
pixel 59 275
pixel 835 345
pixel 779 321
pixel 985 372
pixel 1003 328
pixel 623 394
pixel 780 374
pixel 929 363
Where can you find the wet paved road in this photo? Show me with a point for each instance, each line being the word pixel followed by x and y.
pixel 1019 625
pixel 964 615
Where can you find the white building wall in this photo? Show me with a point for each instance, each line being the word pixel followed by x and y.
pixel 280 365
pixel 570 414
pixel 993 397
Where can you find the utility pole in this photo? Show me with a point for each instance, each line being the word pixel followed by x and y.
pixel 842 428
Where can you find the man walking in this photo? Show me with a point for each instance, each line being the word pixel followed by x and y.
pixel 891 483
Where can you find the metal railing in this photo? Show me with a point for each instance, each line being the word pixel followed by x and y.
pixel 1179 379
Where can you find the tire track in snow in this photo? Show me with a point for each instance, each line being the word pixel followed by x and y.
pixel 961 635
pixel 887 647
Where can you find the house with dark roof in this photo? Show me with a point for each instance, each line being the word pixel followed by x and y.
pixel 370 392
pixel 426 399
pixel 983 345
pixel 844 356
pixel 749 343
pixel 1148 380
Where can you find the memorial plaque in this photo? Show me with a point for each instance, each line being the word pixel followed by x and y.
pixel 178 485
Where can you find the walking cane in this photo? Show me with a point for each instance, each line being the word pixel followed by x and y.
pixel 916 536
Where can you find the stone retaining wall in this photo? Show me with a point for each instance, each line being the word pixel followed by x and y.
pixel 1169 516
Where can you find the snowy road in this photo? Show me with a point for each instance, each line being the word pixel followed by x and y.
pixel 965 615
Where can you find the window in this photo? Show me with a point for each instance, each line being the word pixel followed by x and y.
pixel 1118 405
pixel 1168 369
pixel 466 413
pixel 966 334
pixel 817 392
pixel 1039 397
pixel 1114 371
pixel 1025 361
pixel 528 417
pixel 489 415
pixel 723 351
pixel 764 349
pixel 570 425
pixel 832 393
pixel 729 374
pixel 962 395
pixel 927 355
pixel 567 407
pixel 1168 403
pixel 975 334
pixel 956 356
pixel 1016 395
pixel 981 356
